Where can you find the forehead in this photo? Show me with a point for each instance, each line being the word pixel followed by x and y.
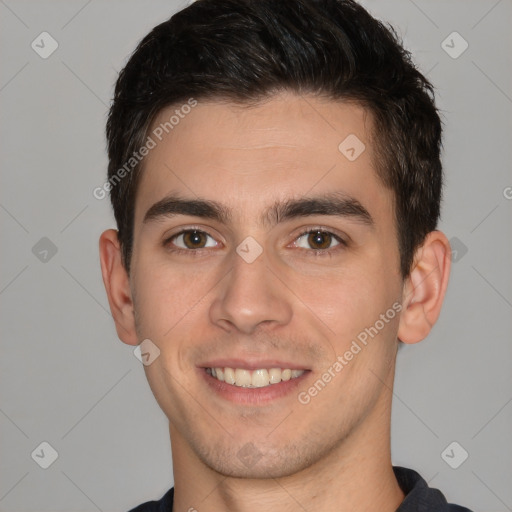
pixel 249 157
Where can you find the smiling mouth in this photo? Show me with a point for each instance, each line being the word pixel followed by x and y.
pixel 260 378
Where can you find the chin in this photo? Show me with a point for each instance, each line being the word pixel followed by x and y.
pixel 255 463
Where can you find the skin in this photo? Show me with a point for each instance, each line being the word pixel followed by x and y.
pixel 290 304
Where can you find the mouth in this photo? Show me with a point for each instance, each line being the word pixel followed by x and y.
pixel 259 378
pixel 252 383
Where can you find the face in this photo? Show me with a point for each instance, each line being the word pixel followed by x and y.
pixel 259 245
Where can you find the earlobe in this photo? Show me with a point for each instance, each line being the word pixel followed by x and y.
pixel 424 288
pixel 117 286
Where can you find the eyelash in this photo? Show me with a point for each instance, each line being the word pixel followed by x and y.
pixel 323 252
pixel 314 252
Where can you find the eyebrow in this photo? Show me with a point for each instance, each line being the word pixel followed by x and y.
pixel 331 204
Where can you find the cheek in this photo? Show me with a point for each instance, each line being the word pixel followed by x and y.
pixel 342 299
pixel 165 296
pixel 352 300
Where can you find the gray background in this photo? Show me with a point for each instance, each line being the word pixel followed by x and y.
pixel 65 377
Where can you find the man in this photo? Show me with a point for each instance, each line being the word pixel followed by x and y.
pixel 275 176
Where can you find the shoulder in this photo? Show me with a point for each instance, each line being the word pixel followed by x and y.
pixel 419 497
pixel 162 505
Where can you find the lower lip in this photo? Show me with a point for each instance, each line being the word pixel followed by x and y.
pixel 253 396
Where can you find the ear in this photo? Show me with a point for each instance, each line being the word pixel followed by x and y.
pixel 117 285
pixel 424 288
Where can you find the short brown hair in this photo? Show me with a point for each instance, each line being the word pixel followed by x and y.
pixel 246 50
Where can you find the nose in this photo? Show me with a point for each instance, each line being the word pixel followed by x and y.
pixel 250 296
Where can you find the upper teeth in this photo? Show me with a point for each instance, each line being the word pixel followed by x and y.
pixel 253 378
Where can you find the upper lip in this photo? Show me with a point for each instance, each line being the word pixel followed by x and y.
pixel 251 364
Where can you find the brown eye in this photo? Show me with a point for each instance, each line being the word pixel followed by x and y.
pixel 317 240
pixel 193 239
